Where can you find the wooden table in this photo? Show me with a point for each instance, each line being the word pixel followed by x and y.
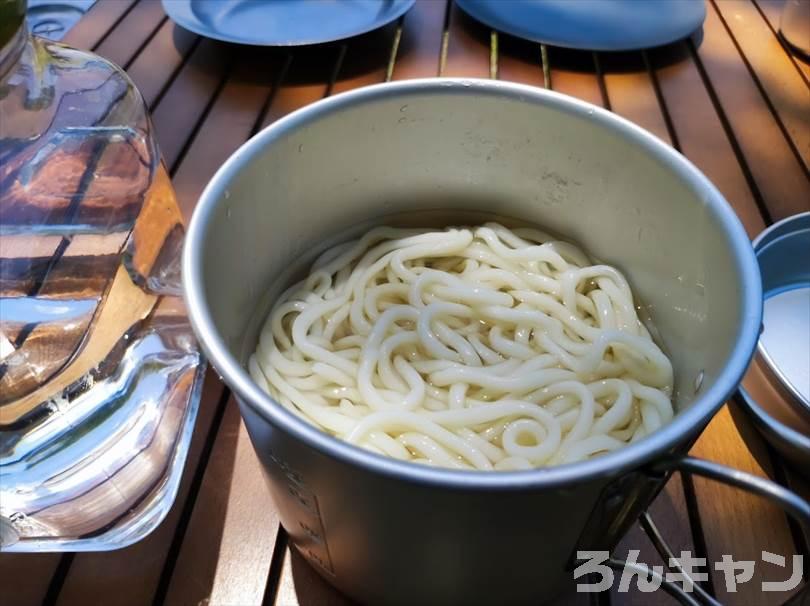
pixel 735 103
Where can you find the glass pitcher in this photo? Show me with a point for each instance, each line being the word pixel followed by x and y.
pixel 99 370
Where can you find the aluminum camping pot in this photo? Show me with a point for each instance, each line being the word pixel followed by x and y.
pixel 461 151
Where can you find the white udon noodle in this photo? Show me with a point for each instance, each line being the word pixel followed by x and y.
pixel 470 348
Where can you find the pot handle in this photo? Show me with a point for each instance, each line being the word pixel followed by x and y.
pixel 792 503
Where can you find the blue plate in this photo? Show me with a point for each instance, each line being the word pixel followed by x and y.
pixel 606 25
pixel 283 22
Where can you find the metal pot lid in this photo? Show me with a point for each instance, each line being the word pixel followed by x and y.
pixel 783 252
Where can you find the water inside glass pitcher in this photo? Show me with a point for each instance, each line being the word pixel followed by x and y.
pixel 99 369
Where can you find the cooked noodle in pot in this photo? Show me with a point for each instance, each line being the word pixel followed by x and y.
pixel 470 348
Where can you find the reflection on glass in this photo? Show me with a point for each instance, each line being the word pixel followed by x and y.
pixel 99 370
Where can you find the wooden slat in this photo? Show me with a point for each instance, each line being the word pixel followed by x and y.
pixel 468 47
pixel 131 575
pixel 231 121
pixel 631 92
pixel 519 60
pixel 365 60
pixel 306 80
pixel 179 111
pixel 421 41
pixel 157 62
pixel 127 38
pixel 31 574
pixel 228 546
pixel 735 522
pixel 700 133
pixel 574 73
pixel 772 9
pixel 783 84
pixel 96 24
pixel 777 172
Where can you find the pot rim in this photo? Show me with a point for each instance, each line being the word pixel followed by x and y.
pixel 686 424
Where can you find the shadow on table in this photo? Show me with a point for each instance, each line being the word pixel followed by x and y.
pixel 315 63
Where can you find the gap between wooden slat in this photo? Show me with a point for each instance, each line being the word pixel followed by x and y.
pixel 188 505
pixel 702 135
pixel 277 82
pixel 771 11
pixel 330 85
pixel 631 91
pixel 103 16
pixel 180 111
pixel 273 583
pixel 781 476
pixel 163 47
pixel 129 576
pixel 574 74
pixel 58 579
pixel 673 135
pixel 133 33
pixel 128 63
pixel 200 121
pixel 687 101
pixel 772 97
pixel 732 138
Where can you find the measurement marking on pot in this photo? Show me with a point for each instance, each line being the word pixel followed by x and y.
pixel 312 534
pixel 309 535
